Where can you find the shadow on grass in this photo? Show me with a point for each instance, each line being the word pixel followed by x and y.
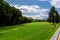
pixel 1 35
pixel 11 27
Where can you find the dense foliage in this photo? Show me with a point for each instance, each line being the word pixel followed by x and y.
pixel 10 15
pixel 53 15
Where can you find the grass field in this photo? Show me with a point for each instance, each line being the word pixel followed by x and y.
pixel 28 31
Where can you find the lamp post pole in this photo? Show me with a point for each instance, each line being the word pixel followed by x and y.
pixel 54 19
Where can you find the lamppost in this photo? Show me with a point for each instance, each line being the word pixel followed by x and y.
pixel 54 19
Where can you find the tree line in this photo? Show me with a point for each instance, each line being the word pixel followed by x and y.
pixel 11 16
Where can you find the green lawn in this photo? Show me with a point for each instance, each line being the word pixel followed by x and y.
pixel 28 31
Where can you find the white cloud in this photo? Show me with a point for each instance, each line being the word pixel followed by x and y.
pixel 32 9
pixel 55 3
pixel 28 9
pixel 43 0
pixel 39 16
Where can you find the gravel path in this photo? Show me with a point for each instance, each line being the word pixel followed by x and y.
pixel 55 36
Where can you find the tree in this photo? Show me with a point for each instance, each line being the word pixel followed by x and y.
pixel 53 16
pixel 10 15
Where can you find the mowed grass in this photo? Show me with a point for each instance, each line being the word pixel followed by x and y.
pixel 28 31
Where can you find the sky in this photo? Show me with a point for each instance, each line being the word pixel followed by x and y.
pixel 36 9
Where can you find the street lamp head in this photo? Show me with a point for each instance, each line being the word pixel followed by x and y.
pixel 54 14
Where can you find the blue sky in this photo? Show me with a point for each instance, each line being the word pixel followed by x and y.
pixel 37 9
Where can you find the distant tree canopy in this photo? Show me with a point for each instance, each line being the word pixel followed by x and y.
pixel 10 15
pixel 53 15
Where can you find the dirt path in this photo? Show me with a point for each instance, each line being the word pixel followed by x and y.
pixel 58 37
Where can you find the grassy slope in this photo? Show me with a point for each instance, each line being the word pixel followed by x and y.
pixel 29 31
